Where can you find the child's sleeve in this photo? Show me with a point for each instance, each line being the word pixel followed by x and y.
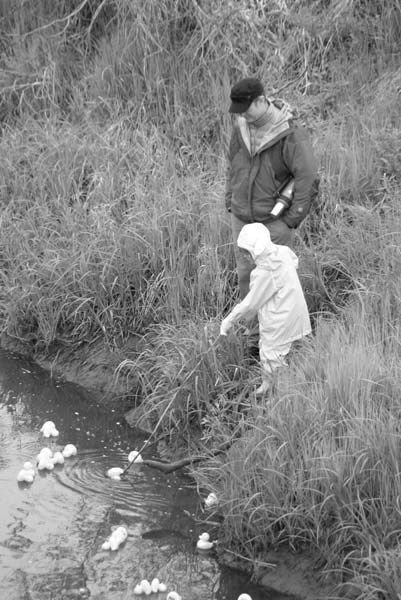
pixel 261 290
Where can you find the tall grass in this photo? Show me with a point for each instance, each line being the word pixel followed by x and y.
pixel 191 369
pixel 318 465
pixel 100 236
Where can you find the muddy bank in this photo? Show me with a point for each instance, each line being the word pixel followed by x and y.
pixel 294 575
pixel 93 366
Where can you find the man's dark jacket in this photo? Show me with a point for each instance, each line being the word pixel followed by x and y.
pixel 252 181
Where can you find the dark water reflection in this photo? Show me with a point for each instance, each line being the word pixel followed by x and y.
pixel 51 531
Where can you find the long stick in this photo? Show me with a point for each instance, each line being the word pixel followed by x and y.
pixel 169 467
pixel 146 443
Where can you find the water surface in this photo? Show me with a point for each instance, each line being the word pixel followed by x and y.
pixel 52 531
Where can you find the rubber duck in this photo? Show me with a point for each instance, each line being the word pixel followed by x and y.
pixel 26 474
pixel 57 459
pixel 69 450
pixel 115 472
pixel 154 585
pixel 138 589
pixel 44 453
pixel 135 456
pixel 173 596
pixel 211 500
pixel 244 597
pixel 48 429
pixel 28 466
pixel 204 542
pixel 45 464
pixel 146 587
pixel 117 537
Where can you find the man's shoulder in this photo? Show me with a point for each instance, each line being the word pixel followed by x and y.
pixel 297 132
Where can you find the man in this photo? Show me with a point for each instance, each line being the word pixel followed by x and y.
pixel 267 149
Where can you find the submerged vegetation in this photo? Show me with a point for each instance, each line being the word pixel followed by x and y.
pixel 114 126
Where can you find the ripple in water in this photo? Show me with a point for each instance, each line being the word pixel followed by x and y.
pixel 52 531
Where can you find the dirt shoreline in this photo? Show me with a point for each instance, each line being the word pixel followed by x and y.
pixel 93 367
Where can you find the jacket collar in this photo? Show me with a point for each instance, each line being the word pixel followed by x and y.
pixel 267 130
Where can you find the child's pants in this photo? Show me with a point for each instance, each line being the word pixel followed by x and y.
pixel 272 359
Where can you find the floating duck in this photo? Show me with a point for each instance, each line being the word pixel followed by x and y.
pixel 173 596
pixel 134 456
pixel 244 597
pixel 27 473
pixel 69 450
pixel 58 458
pixel 45 464
pixel 49 429
pixel 204 542
pixel 115 473
pixel 29 469
pixel 48 425
pixel 211 500
pixel 155 585
pixel 44 453
pixel 146 587
pixel 24 476
pixel 118 536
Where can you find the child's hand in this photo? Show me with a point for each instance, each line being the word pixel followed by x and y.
pixel 225 326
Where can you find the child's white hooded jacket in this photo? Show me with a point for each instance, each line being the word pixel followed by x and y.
pixel 275 292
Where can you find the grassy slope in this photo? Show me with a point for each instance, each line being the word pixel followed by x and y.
pixel 114 129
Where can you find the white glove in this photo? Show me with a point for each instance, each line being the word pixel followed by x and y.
pixel 225 326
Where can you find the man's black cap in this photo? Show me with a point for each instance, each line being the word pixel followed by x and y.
pixel 244 93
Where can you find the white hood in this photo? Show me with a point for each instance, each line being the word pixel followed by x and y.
pixel 255 238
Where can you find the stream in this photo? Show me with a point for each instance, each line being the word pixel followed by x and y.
pixel 52 530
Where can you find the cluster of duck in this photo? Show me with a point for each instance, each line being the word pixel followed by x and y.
pixel 116 472
pixel 117 537
pixel 46 459
pixel 153 587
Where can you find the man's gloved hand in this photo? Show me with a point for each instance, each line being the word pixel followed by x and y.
pixel 225 326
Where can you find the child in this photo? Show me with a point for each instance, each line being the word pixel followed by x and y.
pixel 275 295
